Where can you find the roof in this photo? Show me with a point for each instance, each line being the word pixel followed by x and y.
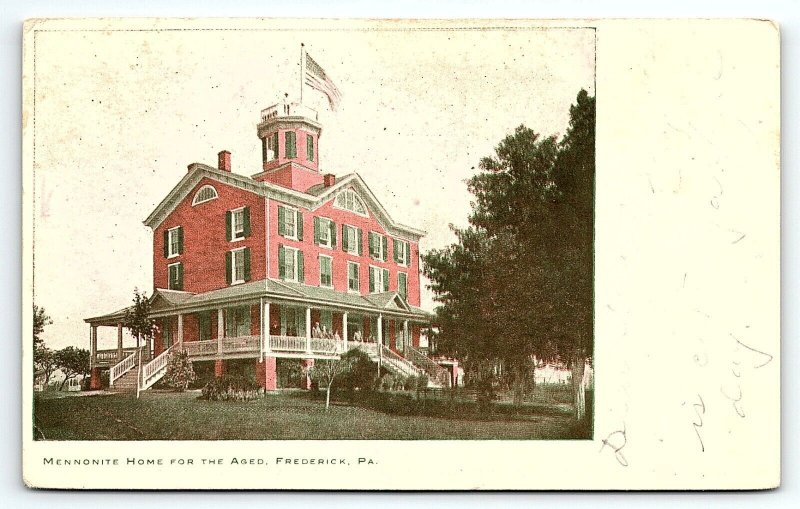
pixel 314 198
pixel 166 302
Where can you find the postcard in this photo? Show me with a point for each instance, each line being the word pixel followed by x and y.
pixel 401 254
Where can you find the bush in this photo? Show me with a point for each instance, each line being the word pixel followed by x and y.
pixel 362 374
pixel 231 388
pixel 180 373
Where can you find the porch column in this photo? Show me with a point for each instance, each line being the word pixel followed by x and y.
pixel 308 329
pixel 405 334
pixel 92 349
pixel 119 342
pixel 93 341
pixel 344 329
pixel 180 332
pixel 265 326
pixel 220 330
pixel 380 331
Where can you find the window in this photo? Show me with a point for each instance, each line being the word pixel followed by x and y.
pixel 175 276
pixel 290 223
pixel 206 193
pixel 352 277
pixel 351 239
pixel 204 319
pixel 238 265
pixel 173 242
pixel 402 252
pixel 324 232
pixel 237 223
pixel 402 284
pixel 348 200
pixel 269 147
pixel 237 321
pixel 293 321
pixel 377 246
pixel 378 280
pixel 290 264
pixel 291 144
pixel 166 335
pixel 325 271
pixel 309 147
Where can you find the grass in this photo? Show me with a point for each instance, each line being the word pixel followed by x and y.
pixel 280 416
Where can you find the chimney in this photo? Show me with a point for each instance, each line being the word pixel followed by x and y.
pixel 224 161
pixel 329 179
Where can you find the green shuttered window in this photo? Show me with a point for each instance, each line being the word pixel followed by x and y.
pixel 309 147
pixel 324 232
pixel 290 223
pixel 402 284
pixel 352 277
pixel 351 239
pixel 291 266
pixel 377 246
pixel 237 266
pixel 237 224
pixel 291 144
pixel 400 252
pixel 173 242
pixel 175 276
pixel 325 271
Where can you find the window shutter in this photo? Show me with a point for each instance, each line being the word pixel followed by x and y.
pixel 180 240
pixel 394 250
pixel 246 214
pixel 408 254
pixel 264 157
pixel 228 266
pixel 166 243
pixel 371 241
pixel 316 230
pixel 384 246
pixel 344 237
pixel 385 280
pixel 299 225
pixel 281 221
pixel 360 242
pixel 371 280
pixel 229 225
pixel 333 234
pixel 281 262
pixel 275 144
pixel 291 145
pixel 402 284
pixel 301 275
pixel 179 286
pixel 247 264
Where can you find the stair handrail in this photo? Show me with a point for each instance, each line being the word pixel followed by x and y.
pixel 388 353
pixel 153 367
pixel 435 371
pixel 122 367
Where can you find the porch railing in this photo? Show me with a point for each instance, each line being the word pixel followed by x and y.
pixel 240 344
pixel 434 371
pixel 297 344
pixel 110 355
pixel 200 348
pixel 122 367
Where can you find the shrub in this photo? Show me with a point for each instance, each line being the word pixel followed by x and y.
pixel 231 388
pixel 180 373
pixel 386 383
pixel 362 374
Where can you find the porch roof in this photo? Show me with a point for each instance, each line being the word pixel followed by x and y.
pixel 167 302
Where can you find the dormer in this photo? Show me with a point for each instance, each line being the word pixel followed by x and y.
pixel 289 134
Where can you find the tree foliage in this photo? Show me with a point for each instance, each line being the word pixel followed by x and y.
pixel 137 319
pixel 518 282
pixel 72 362
pixel 44 364
pixel 40 321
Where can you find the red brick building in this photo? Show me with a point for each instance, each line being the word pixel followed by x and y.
pixel 268 272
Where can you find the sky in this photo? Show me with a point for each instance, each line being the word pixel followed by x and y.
pixel 120 114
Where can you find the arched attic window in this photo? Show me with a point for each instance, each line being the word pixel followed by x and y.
pixel 349 200
pixel 206 193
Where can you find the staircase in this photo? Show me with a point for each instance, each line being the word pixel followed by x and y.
pixel 394 363
pixel 127 382
pixel 130 375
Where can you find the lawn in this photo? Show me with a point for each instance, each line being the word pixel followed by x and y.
pixel 280 416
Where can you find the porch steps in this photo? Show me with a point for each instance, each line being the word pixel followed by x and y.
pixel 396 364
pixel 127 382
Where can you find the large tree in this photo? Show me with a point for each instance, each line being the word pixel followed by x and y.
pixel 72 362
pixel 518 282
pixel 40 321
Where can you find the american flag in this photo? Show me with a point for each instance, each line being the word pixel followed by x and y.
pixel 318 80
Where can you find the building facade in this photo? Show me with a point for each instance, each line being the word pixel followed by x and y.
pixel 268 272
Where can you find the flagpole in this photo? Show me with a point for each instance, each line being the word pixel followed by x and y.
pixel 302 69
